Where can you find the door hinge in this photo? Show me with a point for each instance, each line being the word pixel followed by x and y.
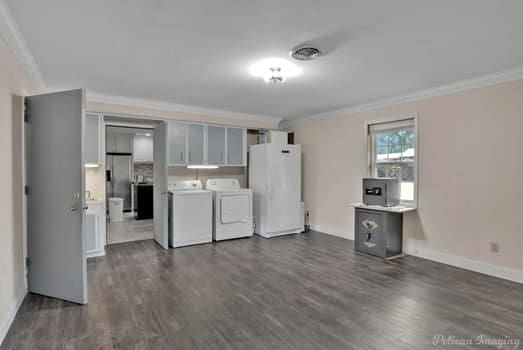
pixel 27 261
pixel 26 112
pixel 26 190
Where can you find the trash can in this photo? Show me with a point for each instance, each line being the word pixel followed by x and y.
pixel 116 209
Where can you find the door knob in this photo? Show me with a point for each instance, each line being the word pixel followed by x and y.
pixel 85 208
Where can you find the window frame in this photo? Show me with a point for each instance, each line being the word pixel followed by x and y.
pixel 371 151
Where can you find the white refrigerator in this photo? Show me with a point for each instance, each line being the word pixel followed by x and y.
pixel 275 178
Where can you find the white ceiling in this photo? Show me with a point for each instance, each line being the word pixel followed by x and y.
pixel 198 52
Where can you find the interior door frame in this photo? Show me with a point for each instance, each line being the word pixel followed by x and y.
pixel 130 121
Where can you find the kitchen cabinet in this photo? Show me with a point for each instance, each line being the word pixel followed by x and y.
pixel 124 143
pixel 378 232
pixel 236 149
pixel 177 137
pixel 195 144
pixel 118 142
pixel 92 139
pixel 200 144
pixel 143 149
pixel 94 229
pixel 215 145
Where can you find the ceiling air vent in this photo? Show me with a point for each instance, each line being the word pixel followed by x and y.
pixel 306 53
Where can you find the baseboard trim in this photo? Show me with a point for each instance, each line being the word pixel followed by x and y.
pixel 6 323
pixel 503 272
pixel 96 254
pixel 467 264
pixel 277 234
pixel 332 231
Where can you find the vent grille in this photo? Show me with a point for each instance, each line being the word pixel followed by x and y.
pixel 306 53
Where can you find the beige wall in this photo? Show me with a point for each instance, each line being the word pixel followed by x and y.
pixel 182 173
pixel 470 172
pixel 13 84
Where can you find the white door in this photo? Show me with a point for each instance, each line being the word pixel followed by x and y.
pixel 160 185
pixel 284 187
pixel 55 215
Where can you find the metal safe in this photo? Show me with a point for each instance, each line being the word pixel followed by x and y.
pixel 381 191
pixel 378 232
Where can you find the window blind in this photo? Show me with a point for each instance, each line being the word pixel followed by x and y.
pixel 388 126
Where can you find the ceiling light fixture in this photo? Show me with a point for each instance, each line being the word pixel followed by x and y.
pixel 274 70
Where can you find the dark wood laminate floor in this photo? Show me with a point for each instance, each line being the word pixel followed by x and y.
pixel 308 291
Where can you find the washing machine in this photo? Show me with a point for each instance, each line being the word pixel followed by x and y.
pixel 232 209
pixel 190 213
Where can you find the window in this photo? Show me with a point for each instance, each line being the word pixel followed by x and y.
pixel 393 154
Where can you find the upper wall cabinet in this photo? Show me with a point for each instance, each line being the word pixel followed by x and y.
pixel 195 147
pixel 117 142
pixel 215 145
pixel 177 138
pixel 93 137
pixel 143 149
pixel 200 144
pixel 236 146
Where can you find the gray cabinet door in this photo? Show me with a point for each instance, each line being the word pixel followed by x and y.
pixel 235 149
pixel 124 143
pixel 177 143
pixel 195 143
pixel 369 232
pixel 117 142
pixel 92 139
pixel 215 145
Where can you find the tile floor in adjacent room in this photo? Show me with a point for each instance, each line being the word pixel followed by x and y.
pixel 129 230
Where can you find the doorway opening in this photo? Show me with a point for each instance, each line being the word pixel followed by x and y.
pixel 129 183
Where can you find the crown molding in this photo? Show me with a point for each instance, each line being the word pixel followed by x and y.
pixel 463 85
pixel 179 108
pixel 12 35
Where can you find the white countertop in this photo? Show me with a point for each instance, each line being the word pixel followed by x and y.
pixel 94 201
pixel 395 209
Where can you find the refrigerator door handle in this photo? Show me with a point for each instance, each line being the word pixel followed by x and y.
pixel 269 186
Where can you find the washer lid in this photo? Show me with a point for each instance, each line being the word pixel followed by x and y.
pixel 222 184
pixel 184 185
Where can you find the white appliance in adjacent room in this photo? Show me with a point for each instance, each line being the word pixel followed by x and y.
pixel 190 213
pixel 232 209
pixel 275 177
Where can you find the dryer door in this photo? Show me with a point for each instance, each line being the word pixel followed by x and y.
pixel 235 208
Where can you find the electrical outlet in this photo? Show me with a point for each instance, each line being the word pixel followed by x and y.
pixel 494 247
